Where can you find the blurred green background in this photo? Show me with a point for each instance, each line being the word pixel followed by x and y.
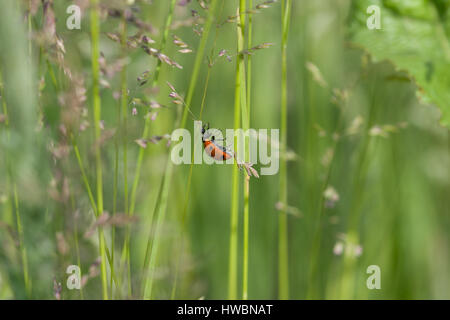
pixel 368 170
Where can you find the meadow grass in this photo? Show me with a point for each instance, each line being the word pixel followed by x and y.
pixel 246 126
pixel 348 193
pixel 98 153
pixel 163 196
pixel 10 17
pixel 234 213
pixel 147 280
pixel 124 113
pixel 283 269
pixel 15 200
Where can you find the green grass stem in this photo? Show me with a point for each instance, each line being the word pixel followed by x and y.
pixel 147 119
pixel 165 184
pixel 97 118
pixel 283 270
pixel 15 198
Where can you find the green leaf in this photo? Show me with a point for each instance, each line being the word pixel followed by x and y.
pixel 414 36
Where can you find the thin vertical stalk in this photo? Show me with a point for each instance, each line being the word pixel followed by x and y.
pixel 349 262
pixel 246 231
pixel 283 270
pixel 245 100
pixel 164 194
pixel 249 57
pixel 90 195
pixel 315 249
pixel 188 191
pixel 121 122
pixel 247 178
pixel 75 236
pixel 137 174
pixel 23 250
pixel 115 189
pixel 77 249
pixel 198 61
pixel 97 119
pixel 232 266
pixel 165 185
pixel 83 174
pixel 239 98
pixel 124 107
pixel 147 119
pixel 15 197
pixel 188 185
